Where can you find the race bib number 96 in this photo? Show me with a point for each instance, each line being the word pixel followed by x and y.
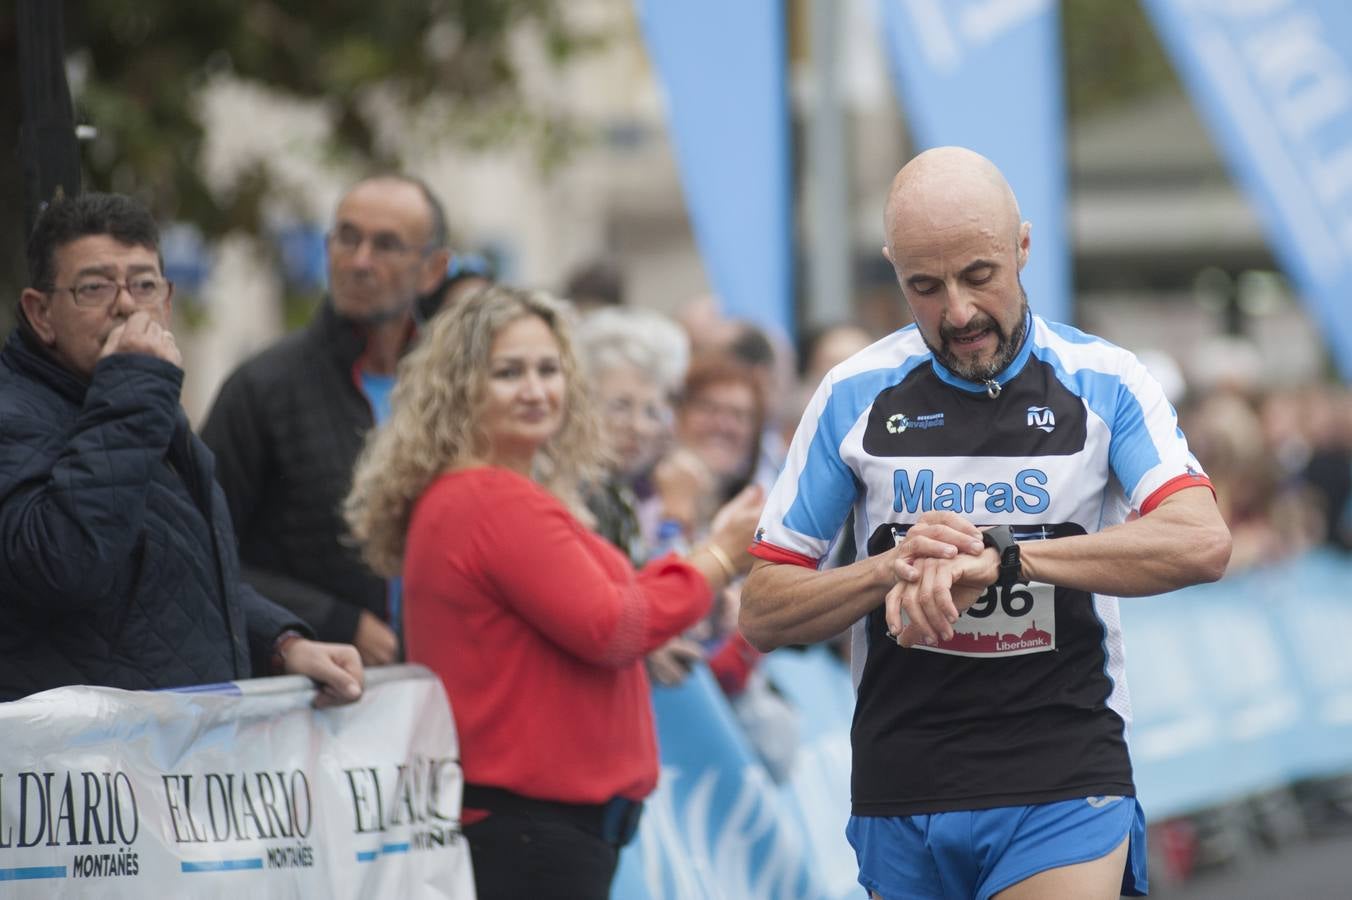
pixel 1005 621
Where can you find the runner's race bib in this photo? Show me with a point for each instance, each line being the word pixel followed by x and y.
pixel 1005 621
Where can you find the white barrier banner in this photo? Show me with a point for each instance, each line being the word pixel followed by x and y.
pixel 248 792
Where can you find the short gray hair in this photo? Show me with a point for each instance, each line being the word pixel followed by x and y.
pixel 643 339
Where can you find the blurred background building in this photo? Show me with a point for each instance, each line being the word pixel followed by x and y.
pixel 547 138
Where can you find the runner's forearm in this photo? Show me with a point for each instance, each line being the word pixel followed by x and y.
pixel 1182 541
pixel 788 604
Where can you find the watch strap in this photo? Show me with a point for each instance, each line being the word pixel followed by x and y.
pixel 1007 551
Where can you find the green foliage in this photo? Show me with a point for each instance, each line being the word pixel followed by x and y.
pixel 144 62
pixel 147 60
pixel 1112 55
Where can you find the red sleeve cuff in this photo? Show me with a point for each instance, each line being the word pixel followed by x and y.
pixel 1173 486
pixel 732 664
pixel 767 551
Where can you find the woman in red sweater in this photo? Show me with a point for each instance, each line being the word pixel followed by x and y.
pixel 537 626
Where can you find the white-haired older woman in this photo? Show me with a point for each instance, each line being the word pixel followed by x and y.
pixel 537 626
pixel 635 361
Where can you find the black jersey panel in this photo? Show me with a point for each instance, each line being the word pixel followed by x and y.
pixel 1035 415
pixel 934 731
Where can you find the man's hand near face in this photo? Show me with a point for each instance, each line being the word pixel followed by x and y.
pixel 140 333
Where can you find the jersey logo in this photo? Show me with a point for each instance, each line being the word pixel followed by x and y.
pixel 922 416
pixel 899 422
pixel 1041 417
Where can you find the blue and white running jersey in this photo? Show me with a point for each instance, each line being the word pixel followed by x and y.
pixel 1027 703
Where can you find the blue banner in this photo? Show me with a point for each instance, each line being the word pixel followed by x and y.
pixel 986 74
pixel 1252 671
pixel 723 68
pixel 716 828
pixel 1273 81
pixel 818 684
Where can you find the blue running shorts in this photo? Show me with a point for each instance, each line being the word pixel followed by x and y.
pixel 972 855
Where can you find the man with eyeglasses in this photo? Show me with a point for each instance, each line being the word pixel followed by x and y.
pixel 289 423
pixel 119 566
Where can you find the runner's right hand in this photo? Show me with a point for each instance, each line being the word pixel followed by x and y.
pixel 936 534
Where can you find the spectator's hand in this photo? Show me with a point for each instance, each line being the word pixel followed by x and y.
pixel 335 667
pixel 941 535
pixel 932 603
pixel 672 662
pixel 142 334
pixel 734 526
pixel 375 641
pixel 684 485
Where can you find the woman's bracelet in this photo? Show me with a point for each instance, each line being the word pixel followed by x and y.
pixel 721 557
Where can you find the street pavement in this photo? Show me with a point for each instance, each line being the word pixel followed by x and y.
pixel 1312 870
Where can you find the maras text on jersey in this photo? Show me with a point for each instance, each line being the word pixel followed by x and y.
pixel 1026 494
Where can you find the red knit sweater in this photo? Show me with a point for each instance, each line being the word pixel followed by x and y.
pixel 538 628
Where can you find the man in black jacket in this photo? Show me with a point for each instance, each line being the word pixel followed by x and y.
pixel 289 423
pixel 119 565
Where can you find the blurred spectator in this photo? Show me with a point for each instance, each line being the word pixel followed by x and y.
pixel 719 426
pixel 825 348
pixel 1328 470
pixel 710 332
pixel 635 361
pixel 595 285
pixel 466 274
pixel 288 424
pixel 1165 369
pixel 536 625
pixel 771 361
pixel 719 420
pixel 752 348
pixel 820 351
pixel 1309 432
pixel 1224 363
pixel 874 305
pixel 120 567
pixel 1270 519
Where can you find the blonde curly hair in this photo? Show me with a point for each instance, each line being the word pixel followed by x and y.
pixel 434 423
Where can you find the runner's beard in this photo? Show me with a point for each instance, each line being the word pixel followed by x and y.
pixel 1005 350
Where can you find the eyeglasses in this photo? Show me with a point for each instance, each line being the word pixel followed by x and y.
pixel 713 409
pixel 144 290
pixel 347 240
pixel 629 408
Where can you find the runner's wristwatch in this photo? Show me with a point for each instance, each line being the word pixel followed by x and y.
pixel 1007 551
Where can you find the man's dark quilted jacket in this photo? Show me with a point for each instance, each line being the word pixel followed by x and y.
pixel 286 429
pixel 117 560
